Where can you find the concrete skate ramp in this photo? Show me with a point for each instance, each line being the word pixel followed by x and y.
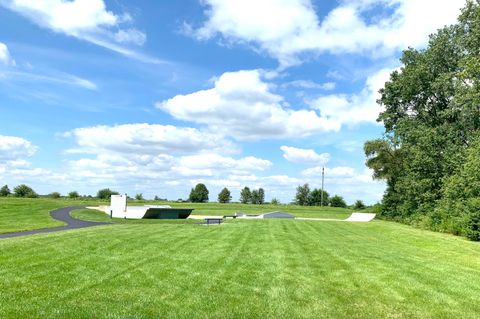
pixel 360 217
pixel 354 217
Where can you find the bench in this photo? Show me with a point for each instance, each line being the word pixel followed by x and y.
pixel 214 220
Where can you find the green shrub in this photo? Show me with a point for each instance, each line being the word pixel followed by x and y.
pixel 24 191
pixel 106 193
pixel 4 191
pixel 54 195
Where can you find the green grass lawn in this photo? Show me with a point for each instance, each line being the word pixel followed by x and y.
pixel 242 268
pixel 19 214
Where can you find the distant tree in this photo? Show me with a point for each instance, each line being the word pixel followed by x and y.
pixel 54 195
pixel 275 201
pixel 261 196
pixel 255 197
pixel 24 191
pixel 4 191
pixel 337 201
pixel 302 196
pixel 315 197
pixel 156 198
pixel 106 193
pixel 359 205
pixel 245 195
pixel 139 196
pixel 73 194
pixel 224 196
pixel 199 194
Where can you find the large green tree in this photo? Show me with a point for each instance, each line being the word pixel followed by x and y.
pixel 245 195
pixel 431 117
pixel 302 195
pixel 199 194
pixel 24 191
pixel 338 201
pixel 315 197
pixel 106 193
pixel 224 196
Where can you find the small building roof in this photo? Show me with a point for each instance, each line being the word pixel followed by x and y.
pixel 278 215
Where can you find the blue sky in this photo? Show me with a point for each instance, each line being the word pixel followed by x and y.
pixel 153 97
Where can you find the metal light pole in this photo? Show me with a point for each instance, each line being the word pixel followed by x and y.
pixel 323 179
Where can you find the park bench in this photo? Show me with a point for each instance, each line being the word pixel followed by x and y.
pixel 213 220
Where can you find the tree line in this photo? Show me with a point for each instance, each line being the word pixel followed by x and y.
pixel 429 155
pixel 317 197
pixel 199 194
pixel 26 191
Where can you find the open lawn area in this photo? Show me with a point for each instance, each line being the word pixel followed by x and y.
pixel 242 268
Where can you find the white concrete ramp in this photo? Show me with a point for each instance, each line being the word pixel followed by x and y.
pixel 354 217
pixel 360 217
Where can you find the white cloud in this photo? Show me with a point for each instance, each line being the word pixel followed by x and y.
pixel 15 167
pixel 242 105
pixel 335 172
pixel 307 84
pixel 130 36
pixel 5 57
pixel 286 29
pixel 14 149
pixel 355 108
pixel 88 20
pixel 147 139
pixel 304 156
pixel 53 77
pixel 210 164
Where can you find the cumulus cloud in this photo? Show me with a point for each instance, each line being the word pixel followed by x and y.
pixel 307 84
pixel 354 108
pixel 335 172
pixel 144 153
pixel 287 29
pixel 15 148
pixel 88 20
pixel 5 57
pixel 147 139
pixel 304 156
pixel 210 163
pixel 15 166
pixel 243 105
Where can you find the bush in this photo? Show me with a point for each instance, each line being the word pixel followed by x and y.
pixel 337 201
pixel 275 201
pixel 54 195
pixel 73 194
pixel 472 224
pixel 4 191
pixel 106 193
pixel 139 196
pixel 24 191
pixel 359 205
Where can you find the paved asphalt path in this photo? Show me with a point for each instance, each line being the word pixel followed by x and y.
pixel 62 214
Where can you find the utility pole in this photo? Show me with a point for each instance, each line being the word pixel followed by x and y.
pixel 323 179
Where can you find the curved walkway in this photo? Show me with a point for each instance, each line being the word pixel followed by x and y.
pixel 61 214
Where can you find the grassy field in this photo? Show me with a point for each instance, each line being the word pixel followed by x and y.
pixel 243 268
pixel 18 214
